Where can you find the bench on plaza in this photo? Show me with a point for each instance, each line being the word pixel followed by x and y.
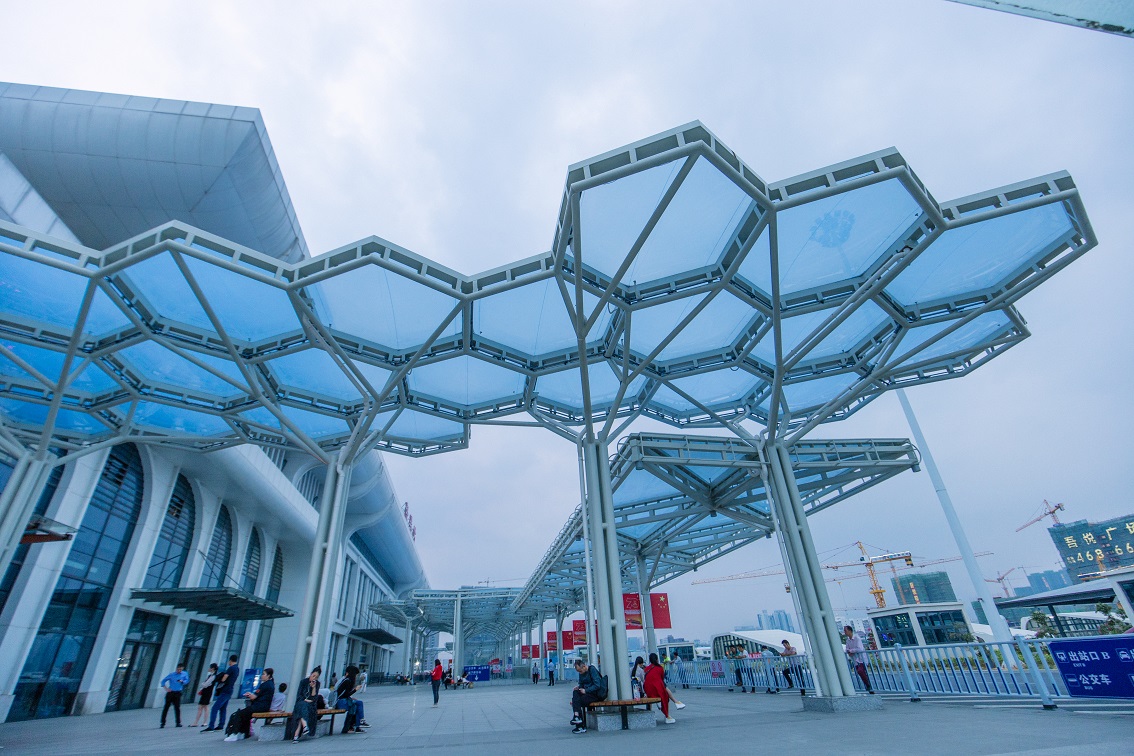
pixel 270 731
pixel 601 715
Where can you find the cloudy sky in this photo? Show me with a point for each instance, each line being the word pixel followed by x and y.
pixel 448 127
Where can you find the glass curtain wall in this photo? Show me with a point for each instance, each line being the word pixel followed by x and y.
pixel 135 667
pixel 275 583
pixel 21 554
pixel 174 540
pixel 237 629
pixel 58 657
pixel 220 551
pixel 193 650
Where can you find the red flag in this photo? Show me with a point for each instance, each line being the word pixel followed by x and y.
pixel 525 652
pixel 568 640
pixel 579 631
pixel 659 608
pixel 632 606
pixel 535 651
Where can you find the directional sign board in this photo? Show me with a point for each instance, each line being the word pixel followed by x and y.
pixel 1096 667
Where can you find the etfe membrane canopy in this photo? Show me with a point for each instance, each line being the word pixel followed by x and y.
pixel 683 501
pixel 680 285
pixel 484 611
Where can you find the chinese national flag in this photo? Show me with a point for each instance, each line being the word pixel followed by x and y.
pixel 659 607
pixel 568 640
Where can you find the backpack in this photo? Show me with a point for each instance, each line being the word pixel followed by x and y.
pixel 604 688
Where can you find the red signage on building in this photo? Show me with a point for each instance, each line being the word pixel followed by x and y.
pixel 525 652
pixel 568 640
pixel 579 632
pixel 535 651
pixel 552 642
pixel 659 605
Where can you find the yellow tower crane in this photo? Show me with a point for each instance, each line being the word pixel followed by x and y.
pixel 868 562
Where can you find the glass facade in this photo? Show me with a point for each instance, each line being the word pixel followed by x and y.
pixel 21 554
pixel 193 650
pixel 275 583
pixel 136 663
pixel 174 540
pixel 944 627
pixel 237 629
pixel 895 628
pixel 220 550
pixel 58 658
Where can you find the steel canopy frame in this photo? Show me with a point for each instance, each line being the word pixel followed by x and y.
pixel 680 285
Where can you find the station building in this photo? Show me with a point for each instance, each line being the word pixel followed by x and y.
pixel 95 606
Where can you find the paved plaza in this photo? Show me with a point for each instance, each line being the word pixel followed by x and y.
pixel 533 719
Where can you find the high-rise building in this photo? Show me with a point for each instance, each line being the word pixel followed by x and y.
pixel 1048 580
pixel 1088 548
pixel 923 588
pixel 774 620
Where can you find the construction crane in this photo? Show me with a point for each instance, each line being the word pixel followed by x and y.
pixel 1049 510
pixel 868 562
pixel 1002 579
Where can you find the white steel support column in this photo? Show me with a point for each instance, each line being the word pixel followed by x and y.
pixel 834 676
pixel 17 503
pixel 559 616
pixel 315 614
pixel 407 660
pixel 607 574
pixel 647 607
pixel 1000 630
pixel 458 637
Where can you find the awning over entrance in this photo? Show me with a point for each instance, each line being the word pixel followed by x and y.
pixel 1072 595
pixel 375 635
pixel 222 603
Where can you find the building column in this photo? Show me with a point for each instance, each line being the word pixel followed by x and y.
pixel 607 574
pixel 559 616
pixel 458 637
pixel 318 600
pixel 17 503
pixel 819 616
pixel 647 607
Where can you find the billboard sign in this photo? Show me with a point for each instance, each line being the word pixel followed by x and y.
pixel 1096 667
pixel 659 607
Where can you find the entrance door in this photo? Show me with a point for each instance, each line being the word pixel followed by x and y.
pixel 136 663
pixel 193 651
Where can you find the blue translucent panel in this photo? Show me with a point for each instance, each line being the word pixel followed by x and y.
pixel 640 486
pixel 756 268
pixel 165 289
pixel 93 380
pixel 36 415
pixel 840 237
pixel 565 387
pixel 613 215
pixel 466 381
pixel 47 362
pixel 314 424
pixel 696 227
pixel 153 363
pixel 421 426
pixel 638 531
pixel 533 318
pixel 248 309
pixel 859 326
pixel 715 328
pixel 179 420
pixel 46 294
pixel 978 331
pixel 380 306
pixel 720 387
pixel 982 255
pixel 818 391
pixel 709 473
pixel 314 370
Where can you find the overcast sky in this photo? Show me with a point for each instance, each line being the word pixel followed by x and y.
pixel 447 128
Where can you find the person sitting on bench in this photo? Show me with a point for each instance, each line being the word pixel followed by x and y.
pixel 589 690
pixel 240 723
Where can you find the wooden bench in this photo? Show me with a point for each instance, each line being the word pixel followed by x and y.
pixel 624 707
pixel 270 715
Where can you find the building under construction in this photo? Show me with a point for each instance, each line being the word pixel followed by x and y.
pixel 1088 548
pixel 923 588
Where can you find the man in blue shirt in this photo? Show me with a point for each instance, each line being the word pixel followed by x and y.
pixel 173 683
pixel 225 684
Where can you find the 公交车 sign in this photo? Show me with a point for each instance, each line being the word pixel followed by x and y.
pixel 1096 667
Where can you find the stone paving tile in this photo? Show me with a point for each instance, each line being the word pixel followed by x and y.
pixel 525 719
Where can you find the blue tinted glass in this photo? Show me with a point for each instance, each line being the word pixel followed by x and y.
pixel 153 363
pixel 167 293
pixel 314 370
pixel 466 381
pixel 421 426
pixel 981 255
pixel 978 331
pixel 859 326
pixel 717 327
pixel 36 415
pixel 248 309
pixel 756 268
pixel 613 215
pixel 533 318
pixel 641 486
pixel 818 391
pixel 179 420
pixel 314 424
pixel 713 389
pixel 43 293
pixel 565 387
pixel 91 379
pixel 383 307
pixel 840 237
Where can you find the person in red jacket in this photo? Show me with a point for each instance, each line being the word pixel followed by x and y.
pixel 435 679
pixel 655 686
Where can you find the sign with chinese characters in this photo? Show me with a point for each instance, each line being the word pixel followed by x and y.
pixel 716 669
pixel 552 641
pixel 659 606
pixel 1096 667
pixel 1088 548
pixel 579 632
pixel 479 673
pixel 525 652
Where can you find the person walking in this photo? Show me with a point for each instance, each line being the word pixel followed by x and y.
pixel 259 701
pixel 857 655
pixel 306 710
pixel 205 695
pixel 435 680
pixel 550 673
pixel 535 671
pixel 174 683
pixel 224 687
pixel 655 686
pixel 590 689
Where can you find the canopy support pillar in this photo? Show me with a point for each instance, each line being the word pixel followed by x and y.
pixel 647 607
pixel 17 504
pixel 458 637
